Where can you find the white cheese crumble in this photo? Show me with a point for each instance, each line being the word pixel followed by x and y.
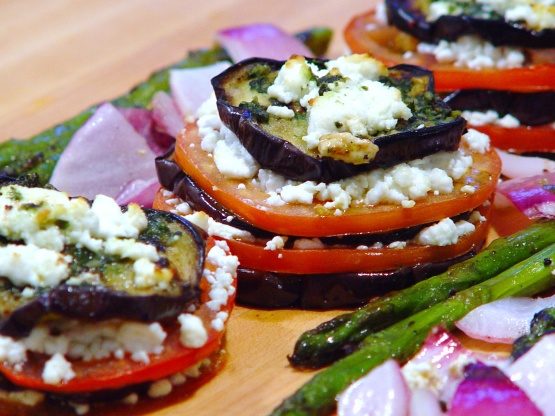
pixel 221 280
pixel 445 232
pixel 363 109
pixel 276 243
pixel 474 53
pixel 93 341
pixel 47 268
pixel 477 141
pixel 482 118
pixel 57 369
pixel 193 333
pixel 280 111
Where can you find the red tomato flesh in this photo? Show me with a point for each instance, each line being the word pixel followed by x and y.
pixel 253 255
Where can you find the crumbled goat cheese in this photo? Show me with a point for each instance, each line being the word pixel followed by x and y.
pixel 422 375
pixel 482 118
pixel 217 229
pixel 231 157
pixel 12 351
pixel 29 398
pixel 362 110
pixel 47 268
pixel 280 111
pixel 445 232
pixel 476 141
pixel 221 280
pixel 473 53
pixel 80 408
pixel 193 333
pixel 57 369
pixel 92 341
pixel 276 243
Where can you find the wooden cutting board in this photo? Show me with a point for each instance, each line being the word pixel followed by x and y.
pixel 61 56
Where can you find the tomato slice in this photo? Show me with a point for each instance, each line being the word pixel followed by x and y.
pixel 389 44
pixel 522 138
pixel 250 203
pixel 338 260
pixel 253 255
pixel 115 373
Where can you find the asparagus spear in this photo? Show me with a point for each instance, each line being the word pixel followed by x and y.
pixel 403 339
pixel 335 338
pixel 40 153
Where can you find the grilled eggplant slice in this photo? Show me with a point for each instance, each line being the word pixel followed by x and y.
pixel 410 16
pixel 530 108
pixel 276 142
pixel 101 284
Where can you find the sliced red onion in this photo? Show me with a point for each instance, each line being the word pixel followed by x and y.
pixel 104 155
pixel 190 87
pixel 516 166
pixel 486 391
pixel 140 191
pixel 534 373
pixel 260 40
pixel 165 114
pixel 383 391
pixel 148 124
pixel 534 196
pixel 503 320
pixel 139 118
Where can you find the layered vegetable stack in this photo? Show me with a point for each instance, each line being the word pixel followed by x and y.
pixel 102 302
pixel 332 181
pixel 494 59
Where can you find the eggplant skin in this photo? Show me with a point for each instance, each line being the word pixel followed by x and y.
pixel 409 18
pixel 113 297
pixel 92 303
pixel 530 108
pixel 270 290
pixel 280 155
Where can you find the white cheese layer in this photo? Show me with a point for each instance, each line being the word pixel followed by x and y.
pixel 401 184
pixel 474 53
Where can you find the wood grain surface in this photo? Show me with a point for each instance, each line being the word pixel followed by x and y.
pixel 58 57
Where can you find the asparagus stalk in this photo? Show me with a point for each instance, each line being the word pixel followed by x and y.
pixel 336 338
pixel 402 340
